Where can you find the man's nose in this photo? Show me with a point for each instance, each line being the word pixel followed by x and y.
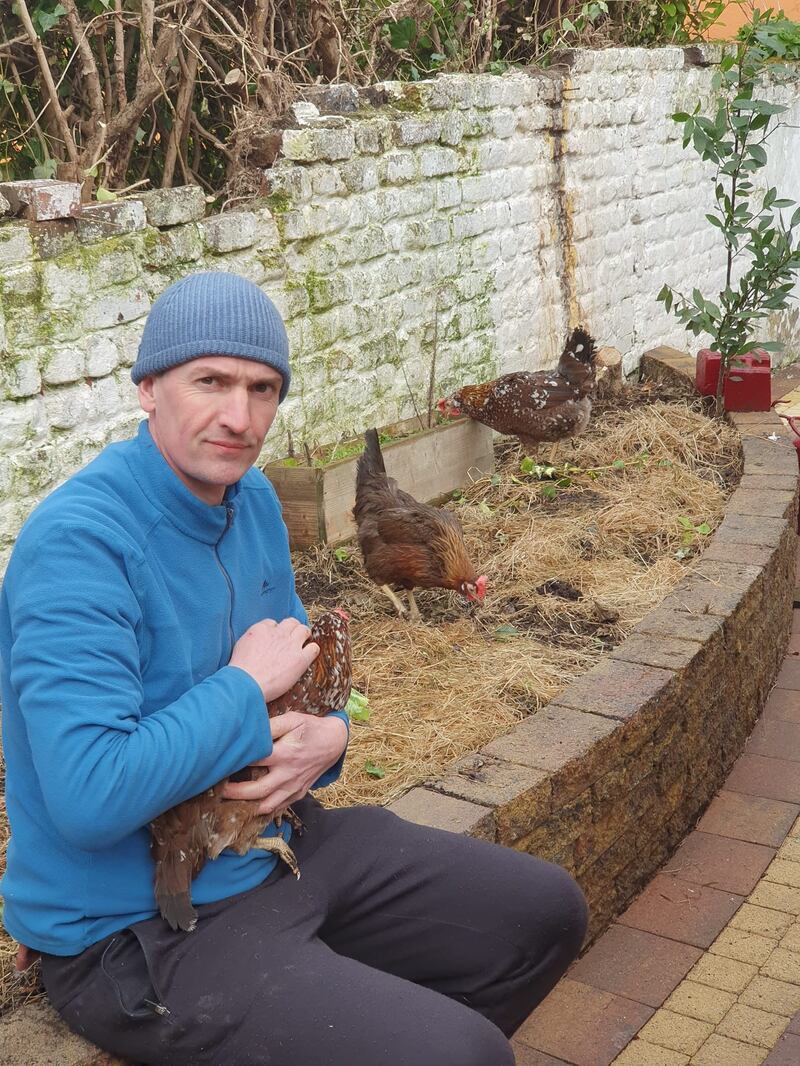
pixel 235 413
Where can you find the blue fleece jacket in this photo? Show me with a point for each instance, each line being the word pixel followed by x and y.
pixel 120 607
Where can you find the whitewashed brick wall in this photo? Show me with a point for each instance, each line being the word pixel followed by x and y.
pixel 474 217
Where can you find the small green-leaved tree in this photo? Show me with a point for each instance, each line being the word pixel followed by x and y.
pixel 755 231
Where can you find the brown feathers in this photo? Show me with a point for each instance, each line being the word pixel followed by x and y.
pixel 405 542
pixel 200 828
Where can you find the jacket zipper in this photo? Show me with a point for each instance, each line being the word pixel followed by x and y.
pixel 229 583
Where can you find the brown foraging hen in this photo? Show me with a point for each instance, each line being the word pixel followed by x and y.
pixel 405 542
pixel 546 405
pixel 200 828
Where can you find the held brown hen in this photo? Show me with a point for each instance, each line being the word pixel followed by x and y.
pixel 405 542
pixel 547 405
pixel 200 828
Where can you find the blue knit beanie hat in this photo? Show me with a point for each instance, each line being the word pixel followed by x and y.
pixel 213 314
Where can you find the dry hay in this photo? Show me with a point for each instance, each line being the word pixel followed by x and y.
pixel 568 578
pixel 443 688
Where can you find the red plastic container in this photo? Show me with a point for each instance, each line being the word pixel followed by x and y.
pixel 748 384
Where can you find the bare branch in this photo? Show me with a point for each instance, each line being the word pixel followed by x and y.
pixel 146 29
pixel 183 107
pixel 91 78
pixel 34 122
pixel 208 136
pixel 119 54
pixel 108 88
pixel 52 92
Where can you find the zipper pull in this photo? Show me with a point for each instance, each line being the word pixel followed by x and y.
pixel 229 515
pixel 157 1008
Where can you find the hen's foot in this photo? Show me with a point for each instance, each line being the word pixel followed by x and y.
pixel 399 605
pixel 279 847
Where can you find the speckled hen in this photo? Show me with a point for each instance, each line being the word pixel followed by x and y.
pixel 545 405
pixel 200 828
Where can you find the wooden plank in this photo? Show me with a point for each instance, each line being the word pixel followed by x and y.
pixel 429 465
pixel 338 496
pixel 318 501
pixel 300 490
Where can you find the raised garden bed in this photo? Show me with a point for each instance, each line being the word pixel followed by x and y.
pixel 317 495
pixel 578 545
pixel 610 776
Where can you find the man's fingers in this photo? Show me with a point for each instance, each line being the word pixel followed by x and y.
pixel 309 652
pixel 285 723
pixel 279 802
pixel 263 787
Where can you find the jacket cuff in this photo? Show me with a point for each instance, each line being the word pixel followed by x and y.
pixel 332 774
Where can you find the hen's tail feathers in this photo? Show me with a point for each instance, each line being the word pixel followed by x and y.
pixel 370 461
pixel 174 901
pixel 581 346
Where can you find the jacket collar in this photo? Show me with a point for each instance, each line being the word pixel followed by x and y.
pixel 168 494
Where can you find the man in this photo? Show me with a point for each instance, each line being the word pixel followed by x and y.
pixel 147 615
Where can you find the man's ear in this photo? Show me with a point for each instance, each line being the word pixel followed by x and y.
pixel 147 399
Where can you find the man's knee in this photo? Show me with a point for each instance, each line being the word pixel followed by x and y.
pixel 472 1041
pixel 544 904
pixel 571 914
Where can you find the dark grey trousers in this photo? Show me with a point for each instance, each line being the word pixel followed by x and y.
pixel 399 946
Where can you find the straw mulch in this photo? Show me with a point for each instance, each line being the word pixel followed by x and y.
pixel 568 577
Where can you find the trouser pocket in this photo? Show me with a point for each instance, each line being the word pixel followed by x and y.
pixel 109 995
pixel 125 966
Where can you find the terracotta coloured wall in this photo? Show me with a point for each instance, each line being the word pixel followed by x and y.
pixel 736 14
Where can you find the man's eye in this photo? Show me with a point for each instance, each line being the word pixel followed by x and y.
pixel 262 386
pixel 207 380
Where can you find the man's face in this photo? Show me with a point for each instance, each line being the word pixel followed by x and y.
pixel 209 418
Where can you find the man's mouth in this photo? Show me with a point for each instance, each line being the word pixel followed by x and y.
pixel 229 445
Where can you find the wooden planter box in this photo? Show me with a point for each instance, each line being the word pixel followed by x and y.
pixel 318 501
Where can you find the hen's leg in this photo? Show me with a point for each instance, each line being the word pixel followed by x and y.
pixel 279 847
pixel 395 599
pixel 294 820
pixel 413 610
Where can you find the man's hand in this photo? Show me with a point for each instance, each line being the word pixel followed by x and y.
pixel 304 746
pixel 272 653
